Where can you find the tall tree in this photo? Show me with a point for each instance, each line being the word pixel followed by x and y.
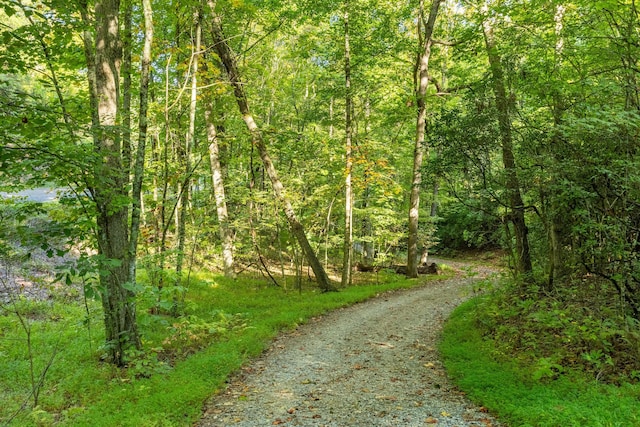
pixel 138 168
pixel 421 80
pixel 347 260
pixel 186 152
pixel 557 231
pixel 229 62
pixel 217 180
pixel 512 184
pixel 110 189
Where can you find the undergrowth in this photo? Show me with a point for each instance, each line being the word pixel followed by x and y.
pixel 184 360
pixel 579 326
pixel 562 358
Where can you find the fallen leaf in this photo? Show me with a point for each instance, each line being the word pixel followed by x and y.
pixel 431 420
pixel 445 414
pixel 316 416
pixel 291 410
pixel 429 365
pixel 277 422
pixel 382 344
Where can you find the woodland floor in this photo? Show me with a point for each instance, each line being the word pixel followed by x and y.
pixel 372 364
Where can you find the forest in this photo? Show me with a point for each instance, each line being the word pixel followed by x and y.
pixel 208 154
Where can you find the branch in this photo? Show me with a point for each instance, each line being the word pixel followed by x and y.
pixel 445 43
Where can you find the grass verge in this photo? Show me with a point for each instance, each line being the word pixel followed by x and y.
pixel 506 386
pixel 185 361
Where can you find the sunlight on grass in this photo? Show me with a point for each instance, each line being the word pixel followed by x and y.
pixel 186 359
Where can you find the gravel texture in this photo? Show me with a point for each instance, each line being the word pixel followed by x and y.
pixel 372 364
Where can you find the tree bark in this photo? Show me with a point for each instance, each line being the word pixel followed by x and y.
pixel 138 168
pixel 230 65
pixel 555 226
pixel 348 209
pixel 226 233
pixel 421 76
pixel 127 40
pixel 512 185
pixel 110 189
pixel 186 155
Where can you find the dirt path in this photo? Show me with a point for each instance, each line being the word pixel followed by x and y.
pixel 372 364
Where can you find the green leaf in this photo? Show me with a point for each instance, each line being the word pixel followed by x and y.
pixel 133 287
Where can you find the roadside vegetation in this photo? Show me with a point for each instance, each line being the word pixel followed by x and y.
pixel 55 354
pixel 272 139
pixel 567 358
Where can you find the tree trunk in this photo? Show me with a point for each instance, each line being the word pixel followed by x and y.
pixel 555 226
pixel 348 209
pixel 110 189
pixel 226 233
pixel 138 168
pixel 229 62
pixel 127 41
pixel 368 255
pixel 421 76
pixel 516 205
pixel 186 155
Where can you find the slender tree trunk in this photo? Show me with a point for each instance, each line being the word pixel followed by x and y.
pixel 53 75
pixel 186 157
pixel 516 205
pixel 348 208
pixel 164 219
pixel 434 202
pixel 110 188
pixel 226 233
pixel 555 218
pixel 229 62
pixel 367 226
pixel 138 168
pixel 421 77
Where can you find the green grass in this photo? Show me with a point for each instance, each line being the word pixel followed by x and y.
pixel 507 387
pixel 81 390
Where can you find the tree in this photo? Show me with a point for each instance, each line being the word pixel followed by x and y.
pixel 228 60
pixel 348 209
pixel 512 184
pixel 110 189
pixel 226 233
pixel 421 82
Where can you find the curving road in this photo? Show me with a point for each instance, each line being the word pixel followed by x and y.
pixel 372 364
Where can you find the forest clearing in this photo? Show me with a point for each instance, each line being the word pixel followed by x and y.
pixel 225 170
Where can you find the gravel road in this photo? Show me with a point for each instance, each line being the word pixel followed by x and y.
pixel 372 364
